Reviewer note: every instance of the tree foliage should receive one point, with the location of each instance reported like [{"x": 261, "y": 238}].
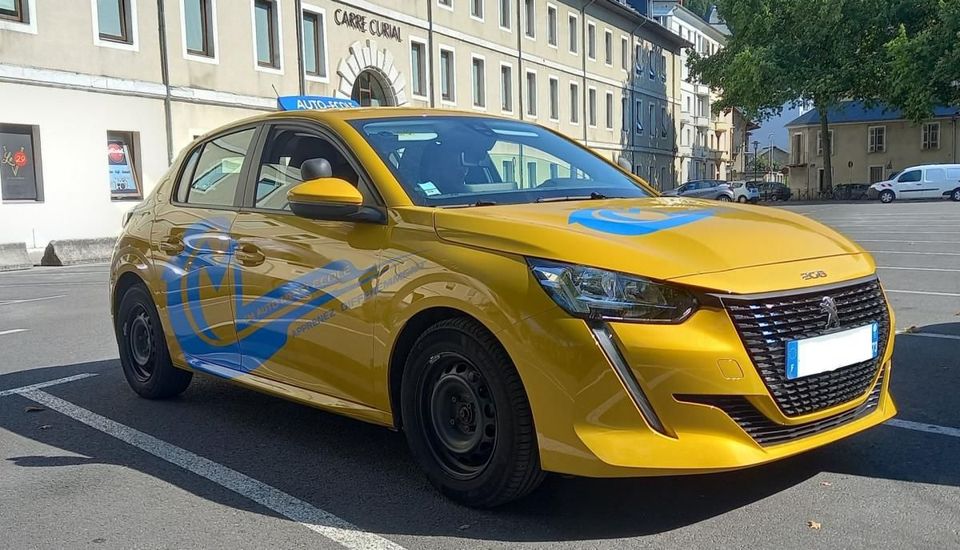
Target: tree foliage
[{"x": 924, "y": 66}]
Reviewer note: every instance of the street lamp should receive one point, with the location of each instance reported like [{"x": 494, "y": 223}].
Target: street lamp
[{"x": 756, "y": 161}]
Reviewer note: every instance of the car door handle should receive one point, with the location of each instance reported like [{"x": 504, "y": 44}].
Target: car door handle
[
  {"x": 172, "y": 245},
  {"x": 249, "y": 254}
]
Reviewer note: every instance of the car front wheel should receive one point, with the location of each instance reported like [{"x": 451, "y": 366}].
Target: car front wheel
[
  {"x": 955, "y": 195},
  {"x": 887, "y": 196},
  {"x": 742, "y": 199},
  {"x": 466, "y": 416},
  {"x": 144, "y": 356},
  {"x": 724, "y": 198}
]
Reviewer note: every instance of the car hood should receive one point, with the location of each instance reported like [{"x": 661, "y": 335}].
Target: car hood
[{"x": 661, "y": 238}]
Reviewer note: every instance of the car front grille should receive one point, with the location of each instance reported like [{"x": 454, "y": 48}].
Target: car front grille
[
  {"x": 767, "y": 432},
  {"x": 766, "y": 324}
]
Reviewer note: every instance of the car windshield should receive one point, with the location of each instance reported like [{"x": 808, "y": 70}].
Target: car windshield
[{"x": 476, "y": 161}]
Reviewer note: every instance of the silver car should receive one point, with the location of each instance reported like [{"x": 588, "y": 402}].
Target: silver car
[{"x": 704, "y": 189}]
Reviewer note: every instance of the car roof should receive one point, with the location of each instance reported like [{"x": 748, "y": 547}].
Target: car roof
[{"x": 925, "y": 166}]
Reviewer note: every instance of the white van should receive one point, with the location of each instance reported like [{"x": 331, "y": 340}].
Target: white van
[{"x": 928, "y": 181}]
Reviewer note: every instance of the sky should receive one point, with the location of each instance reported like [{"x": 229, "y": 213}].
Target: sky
[{"x": 777, "y": 127}]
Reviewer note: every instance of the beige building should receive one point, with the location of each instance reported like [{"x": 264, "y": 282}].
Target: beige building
[
  {"x": 869, "y": 144},
  {"x": 138, "y": 80}
]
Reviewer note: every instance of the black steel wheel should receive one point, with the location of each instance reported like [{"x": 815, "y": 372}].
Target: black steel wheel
[
  {"x": 466, "y": 416},
  {"x": 144, "y": 356}
]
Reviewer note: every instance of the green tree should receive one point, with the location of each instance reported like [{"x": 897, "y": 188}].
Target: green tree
[
  {"x": 924, "y": 66},
  {"x": 794, "y": 51}
]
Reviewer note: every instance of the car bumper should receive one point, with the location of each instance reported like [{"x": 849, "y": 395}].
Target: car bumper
[
  {"x": 662, "y": 412},
  {"x": 873, "y": 194}
]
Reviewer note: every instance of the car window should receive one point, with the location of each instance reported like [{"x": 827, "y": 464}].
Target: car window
[
  {"x": 217, "y": 174},
  {"x": 953, "y": 174},
  {"x": 909, "y": 177},
  {"x": 285, "y": 151},
  {"x": 936, "y": 175},
  {"x": 183, "y": 186},
  {"x": 463, "y": 160}
]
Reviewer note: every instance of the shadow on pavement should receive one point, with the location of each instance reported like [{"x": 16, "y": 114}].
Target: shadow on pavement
[{"x": 364, "y": 474}]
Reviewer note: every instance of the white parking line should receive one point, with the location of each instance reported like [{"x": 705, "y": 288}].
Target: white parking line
[
  {"x": 943, "y": 269},
  {"x": 47, "y": 384},
  {"x": 924, "y": 292},
  {"x": 315, "y": 519},
  {"x": 929, "y": 335},
  {"x": 929, "y": 428},
  {"x": 12, "y": 331},
  {"x": 23, "y": 301}
]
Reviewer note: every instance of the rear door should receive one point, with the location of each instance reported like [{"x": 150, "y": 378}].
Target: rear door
[
  {"x": 934, "y": 183},
  {"x": 304, "y": 311},
  {"x": 192, "y": 249}
]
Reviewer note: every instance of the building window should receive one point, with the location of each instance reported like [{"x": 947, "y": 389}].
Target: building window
[
  {"x": 445, "y": 4},
  {"x": 652, "y": 118},
  {"x": 651, "y": 65},
  {"x": 532, "y": 93},
  {"x": 797, "y": 149},
  {"x": 572, "y": 32},
  {"x": 476, "y": 9},
  {"x": 591, "y": 41},
  {"x": 551, "y": 25},
  {"x": 876, "y": 174},
  {"x": 447, "y": 77},
  {"x": 663, "y": 67},
  {"x": 315, "y": 44},
  {"x": 509, "y": 174},
  {"x": 609, "y": 110},
  {"x": 506, "y": 88},
  {"x": 833, "y": 147},
  {"x": 21, "y": 178},
  {"x": 265, "y": 23},
  {"x": 479, "y": 83},
  {"x": 624, "y": 53},
  {"x": 529, "y": 19},
  {"x": 876, "y": 139},
  {"x": 638, "y": 54},
  {"x": 123, "y": 165},
  {"x": 608, "y": 47},
  {"x": 638, "y": 115},
  {"x": 14, "y": 10},
  {"x": 592, "y": 106},
  {"x": 418, "y": 68},
  {"x": 505, "y": 14},
  {"x": 554, "y": 99},
  {"x": 930, "y": 138},
  {"x": 198, "y": 21},
  {"x": 114, "y": 21},
  {"x": 574, "y": 103},
  {"x": 532, "y": 174},
  {"x": 663, "y": 121}
]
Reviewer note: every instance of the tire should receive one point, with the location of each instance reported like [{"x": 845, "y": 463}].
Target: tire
[
  {"x": 887, "y": 196},
  {"x": 724, "y": 198},
  {"x": 455, "y": 370},
  {"x": 955, "y": 195},
  {"x": 742, "y": 199},
  {"x": 144, "y": 355}
]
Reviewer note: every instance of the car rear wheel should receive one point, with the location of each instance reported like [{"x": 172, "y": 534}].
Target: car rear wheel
[
  {"x": 724, "y": 198},
  {"x": 887, "y": 196},
  {"x": 466, "y": 416},
  {"x": 955, "y": 195},
  {"x": 144, "y": 356},
  {"x": 742, "y": 199}
]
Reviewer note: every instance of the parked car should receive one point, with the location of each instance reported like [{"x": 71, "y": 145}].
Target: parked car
[
  {"x": 850, "y": 191},
  {"x": 929, "y": 181},
  {"x": 774, "y": 191},
  {"x": 704, "y": 189},
  {"x": 745, "y": 191}
]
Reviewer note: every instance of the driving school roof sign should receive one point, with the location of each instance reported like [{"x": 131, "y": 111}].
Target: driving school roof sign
[{"x": 313, "y": 102}]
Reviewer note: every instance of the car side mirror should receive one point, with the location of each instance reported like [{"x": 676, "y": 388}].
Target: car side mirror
[{"x": 331, "y": 199}]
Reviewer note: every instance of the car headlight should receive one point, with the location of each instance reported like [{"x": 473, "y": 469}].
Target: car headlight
[{"x": 598, "y": 294}]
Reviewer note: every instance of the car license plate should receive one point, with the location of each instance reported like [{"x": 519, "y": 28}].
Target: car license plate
[{"x": 831, "y": 351}]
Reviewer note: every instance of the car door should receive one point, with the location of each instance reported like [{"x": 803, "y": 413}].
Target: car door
[
  {"x": 910, "y": 184},
  {"x": 192, "y": 249},
  {"x": 692, "y": 189},
  {"x": 304, "y": 312},
  {"x": 934, "y": 183}
]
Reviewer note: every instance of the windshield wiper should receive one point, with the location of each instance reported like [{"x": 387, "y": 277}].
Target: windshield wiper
[
  {"x": 594, "y": 196},
  {"x": 478, "y": 203}
]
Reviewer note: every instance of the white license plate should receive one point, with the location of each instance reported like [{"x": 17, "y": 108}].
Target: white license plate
[{"x": 831, "y": 351}]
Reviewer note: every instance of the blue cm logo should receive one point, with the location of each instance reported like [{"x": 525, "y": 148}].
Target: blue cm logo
[{"x": 633, "y": 221}]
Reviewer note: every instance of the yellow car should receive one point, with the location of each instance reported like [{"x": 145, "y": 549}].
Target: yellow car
[{"x": 511, "y": 301}]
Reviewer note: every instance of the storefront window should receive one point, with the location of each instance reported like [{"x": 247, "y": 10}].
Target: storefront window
[
  {"x": 123, "y": 166},
  {"x": 20, "y": 174}
]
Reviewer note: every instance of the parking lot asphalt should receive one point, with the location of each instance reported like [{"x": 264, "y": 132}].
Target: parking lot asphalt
[{"x": 84, "y": 463}]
